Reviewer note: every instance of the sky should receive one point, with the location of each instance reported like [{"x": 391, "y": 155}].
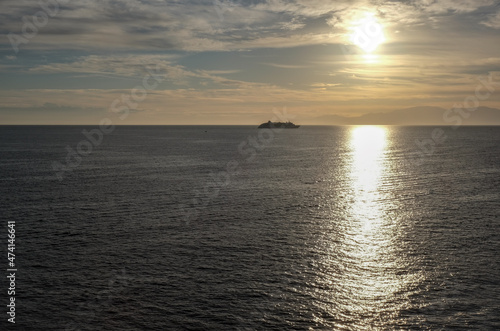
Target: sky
[{"x": 238, "y": 62}]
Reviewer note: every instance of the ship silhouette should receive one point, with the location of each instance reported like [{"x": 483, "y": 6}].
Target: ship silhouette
[{"x": 281, "y": 125}]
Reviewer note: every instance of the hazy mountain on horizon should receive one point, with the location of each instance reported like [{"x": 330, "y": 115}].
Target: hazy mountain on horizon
[{"x": 423, "y": 115}]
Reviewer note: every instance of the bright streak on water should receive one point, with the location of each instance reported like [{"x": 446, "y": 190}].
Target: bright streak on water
[
  {"x": 368, "y": 146},
  {"x": 369, "y": 280}
]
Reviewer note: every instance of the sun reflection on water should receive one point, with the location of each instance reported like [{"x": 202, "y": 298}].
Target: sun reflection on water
[
  {"x": 368, "y": 145},
  {"x": 368, "y": 246},
  {"x": 366, "y": 272}
]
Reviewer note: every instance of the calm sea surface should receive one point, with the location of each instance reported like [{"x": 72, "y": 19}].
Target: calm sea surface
[{"x": 234, "y": 228}]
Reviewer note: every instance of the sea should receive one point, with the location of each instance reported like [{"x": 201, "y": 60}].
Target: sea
[{"x": 236, "y": 228}]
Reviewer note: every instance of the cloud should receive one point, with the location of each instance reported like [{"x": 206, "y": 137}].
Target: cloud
[
  {"x": 137, "y": 66},
  {"x": 127, "y": 65},
  {"x": 493, "y": 21},
  {"x": 294, "y": 24},
  {"x": 202, "y": 26},
  {"x": 287, "y": 66},
  {"x": 452, "y": 6}
]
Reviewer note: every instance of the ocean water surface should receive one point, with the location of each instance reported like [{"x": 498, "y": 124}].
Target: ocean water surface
[{"x": 234, "y": 228}]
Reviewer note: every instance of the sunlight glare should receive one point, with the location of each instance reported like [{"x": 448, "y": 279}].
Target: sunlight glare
[
  {"x": 370, "y": 228},
  {"x": 367, "y": 33},
  {"x": 371, "y": 58},
  {"x": 368, "y": 144}
]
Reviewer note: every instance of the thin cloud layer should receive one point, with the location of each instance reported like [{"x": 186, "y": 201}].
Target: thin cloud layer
[{"x": 493, "y": 21}]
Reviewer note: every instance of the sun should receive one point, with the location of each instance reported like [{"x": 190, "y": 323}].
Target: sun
[{"x": 367, "y": 33}]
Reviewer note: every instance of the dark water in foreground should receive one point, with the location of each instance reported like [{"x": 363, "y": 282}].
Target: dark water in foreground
[{"x": 325, "y": 228}]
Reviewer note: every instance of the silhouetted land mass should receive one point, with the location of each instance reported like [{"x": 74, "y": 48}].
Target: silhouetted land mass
[{"x": 417, "y": 116}]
